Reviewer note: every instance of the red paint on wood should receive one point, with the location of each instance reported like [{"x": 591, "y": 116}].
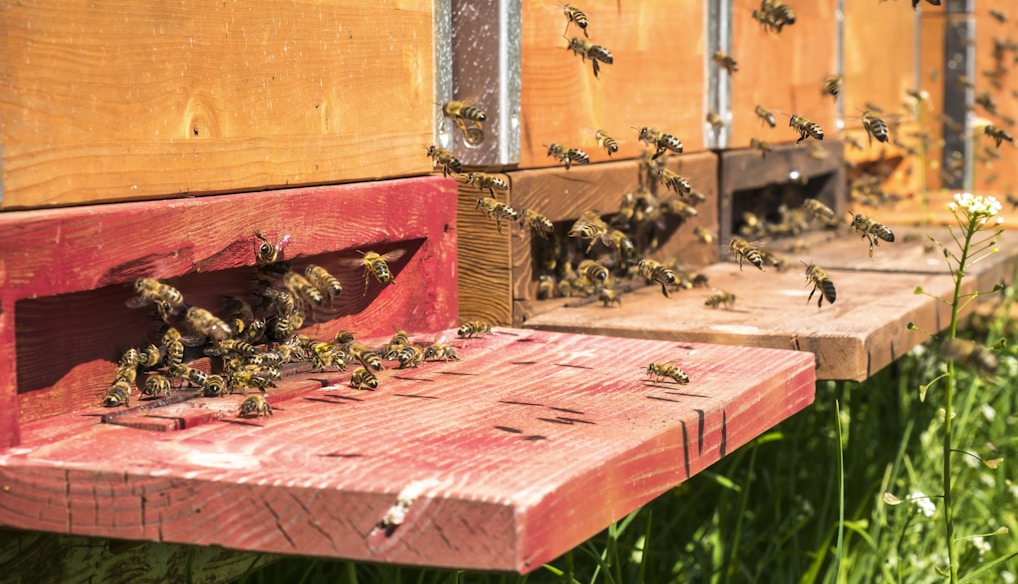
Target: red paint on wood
[
  {"x": 528, "y": 446},
  {"x": 66, "y": 275}
]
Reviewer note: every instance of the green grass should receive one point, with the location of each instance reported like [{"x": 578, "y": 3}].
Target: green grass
[{"x": 777, "y": 510}]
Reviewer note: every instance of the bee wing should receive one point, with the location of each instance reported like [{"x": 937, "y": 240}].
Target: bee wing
[
  {"x": 393, "y": 255},
  {"x": 193, "y": 340},
  {"x": 137, "y": 302}
]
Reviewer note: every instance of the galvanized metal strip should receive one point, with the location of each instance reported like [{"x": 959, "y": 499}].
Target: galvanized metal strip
[
  {"x": 486, "y": 48},
  {"x": 718, "y": 97},
  {"x": 442, "y": 31},
  {"x": 839, "y": 17},
  {"x": 959, "y": 60}
]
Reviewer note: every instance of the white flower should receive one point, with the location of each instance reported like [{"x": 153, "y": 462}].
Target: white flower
[
  {"x": 1007, "y": 577},
  {"x": 982, "y": 546},
  {"x": 988, "y": 412},
  {"x": 924, "y": 503}
]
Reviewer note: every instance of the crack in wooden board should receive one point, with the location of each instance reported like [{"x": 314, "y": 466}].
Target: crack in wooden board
[{"x": 491, "y": 498}]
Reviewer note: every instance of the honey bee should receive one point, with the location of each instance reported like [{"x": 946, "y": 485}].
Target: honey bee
[
  {"x": 765, "y": 115},
  {"x": 450, "y": 164},
  {"x": 704, "y": 235},
  {"x": 609, "y": 296},
  {"x": 214, "y": 386},
  {"x": 772, "y": 260},
  {"x": 190, "y": 374},
  {"x": 283, "y": 326},
  {"x": 130, "y": 358},
  {"x": 440, "y": 352},
  {"x": 166, "y": 298},
  {"x": 491, "y": 207},
  {"x": 156, "y": 385},
  {"x": 568, "y": 155},
  {"x": 119, "y": 394},
  {"x": 362, "y": 378},
  {"x": 366, "y": 356},
  {"x": 487, "y": 181},
  {"x": 970, "y": 354},
  {"x": 985, "y": 99},
  {"x": 326, "y": 355},
  {"x": 173, "y": 347},
  {"x": 762, "y": 146},
  {"x": 661, "y": 141},
  {"x": 774, "y": 15},
  {"x": 546, "y": 286},
  {"x": 589, "y": 226},
  {"x": 150, "y": 357},
  {"x": 680, "y": 208},
  {"x": 875, "y": 126},
  {"x": 818, "y": 277},
  {"x": 820, "y": 211},
  {"x": 998, "y": 16},
  {"x": 871, "y": 230},
  {"x": 377, "y": 265},
  {"x": 586, "y": 49},
  {"x": 593, "y": 271},
  {"x": 661, "y": 371},
  {"x": 606, "y": 142},
  {"x": 673, "y": 181},
  {"x": 301, "y": 288},
  {"x": 409, "y": 356},
  {"x": 254, "y": 406},
  {"x": 715, "y": 121},
  {"x": 653, "y": 271},
  {"x": 725, "y": 61},
  {"x": 540, "y": 224},
  {"x": 998, "y": 134},
  {"x": 833, "y": 85},
  {"x": 266, "y": 252},
  {"x": 207, "y": 324},
  {"x": 806, "y": 128},
  {"x": 915, "y": 3},
  {"x": 126, "y": 373},
  {"x": 852, "y": 141},
  {"x": 259, "y": 378},
  {"x": 324, "y": 282},
  {"x": 620, "y": 242},
  {"x": 343, "y": 337},
  {"x": 461, "y": 112},
  {"x": 576, "y": 16},
  {"x": 473, "y": 328},
  {"x": 719, "y": 299},
  {"x": 743, "y": 251}
]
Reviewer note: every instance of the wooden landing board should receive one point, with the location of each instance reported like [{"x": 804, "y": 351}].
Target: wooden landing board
[
  {"x": 497, "y": 474},
  {"x": 864, "y": 331},
  {"x": 563, "y": 196},
  {"x": 114, "y": 102},
  {"x": 657, "y": 79},
  {"x": 782, "y": 72},
  {"x": 66, "y": 275}
]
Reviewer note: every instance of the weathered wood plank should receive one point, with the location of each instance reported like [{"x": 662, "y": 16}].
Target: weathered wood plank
[
  {"x": 657, "y": 79},
  {"x": 990, "y": 173},
  {"x": 932, "y": 27},
  {"x": 46, "y": 557},
  {"x": 783, "y": 72},
  {"x": 191, "y": 98},
  {"x": 499, "y": 468},
  {"x": 483, "y": 261},
  {"x": 563, "y": 196}
]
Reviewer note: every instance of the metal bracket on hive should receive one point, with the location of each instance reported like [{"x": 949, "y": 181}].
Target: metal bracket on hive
[
  {"x": 959, "y": 60},
  {"x": 719, "y": 82}
]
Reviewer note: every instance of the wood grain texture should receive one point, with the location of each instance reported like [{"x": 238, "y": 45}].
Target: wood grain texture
[
  {"x": 47, "y": 557},
  {"x": 992, "y": 175},
  {"x": 563, "y": 196},
  {"x": 864, "y": 331},
  {"x": 485, "y": 272},
  {"x": 110, "y": 102},
  {"x": 782, "y": 72},
  {"x": 509, "y": 475},
  {"x": 69, "y": 270},
  {"x": 657, "y": 79}
]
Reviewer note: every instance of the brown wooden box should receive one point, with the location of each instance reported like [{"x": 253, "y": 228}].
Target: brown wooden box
[
  {"x": 111, "y": 101},
  {"x": 657, "y": 79}
]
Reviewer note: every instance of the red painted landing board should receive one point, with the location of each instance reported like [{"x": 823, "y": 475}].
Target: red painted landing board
[{"x": 525, "y": 448}]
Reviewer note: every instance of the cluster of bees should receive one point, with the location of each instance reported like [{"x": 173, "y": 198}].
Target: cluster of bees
[{"x": 251, "y": 344}]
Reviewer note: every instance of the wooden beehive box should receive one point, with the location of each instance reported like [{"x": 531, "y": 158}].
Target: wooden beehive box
[
  {"x": 114, "y": 102},
  {"x": 996, "y": 84},
  {"x": 657, "y": 79}
]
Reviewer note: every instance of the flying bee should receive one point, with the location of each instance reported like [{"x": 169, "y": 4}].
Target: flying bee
[
  {"x": 473, "y": 328},
  {"x": 766, "y": 115},
  {"x": 266, "y": 252},
  {"x": 661, "y": 371},
  {"x": 450, "y": 164},
  {"x": 440, "y": 352},
  {"x": 998, "y": 134},
  {"x": 487, "y": 181},
  {"x": 720, "y": 298},
  {"x": 774, "y": 15},
  {"x": 156, "y": 385},
  {"x": 998, "y": 16},
  {"x": 377, "y": 265},
  {"x": 362, "y": 378},
  {"x": 715, "y": 121},
  {"x": 818, "y": 277},
  {"x": 679, "y": 208},
  {"x": 593, "y": 271},
  {"x": 875, "y": 126},
  {"x": 985, "y": 99},
  {"x": 653, "y": 271},
  {"x": 214, "y": 386},
  {"x": 366, "y": 356},
  {"x": 772, "y": 260},
  {"x": 586, "y": 49},
  {"x": 166, "y": 298},
  {"x": 323, "y": 281},
  {"x": 871, "y": 230},
  {"x": 852, "y": 141},
  {"x": 589, "y": 226},
  {"x": 575, "y": 16},
  {"x": 806, "y": 128},
  {"x": 254, "y": 406},
  {"x": 704, "y": 235},
  {"x": 673, "y": 181},
  {"x": 207, "y": 324},
  {"x": 725, "y": 61},
  {"x": 568, "y": 155},
  {"x": 820, "y": 211},
  {"x": 742, "y": 250},
  {"x": 833, "y": 85},
  {"x": 609, "y": 296},
  {"x": 606, "y": 142},
  {"x": 492, "y": 207},
  {"x": 621, "y": 243},
  {"x": 970, "y": 354},
  {"x": 409, "y": 356},
  {"x": 119, "y": 394},
  {"x": 301, "y": 288},
  {"x": 460, "y": 112},
  {"x": 661, "y": 141},
  {"x": 537, "y": 222},
  {"x": 762, "y": 146}
]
